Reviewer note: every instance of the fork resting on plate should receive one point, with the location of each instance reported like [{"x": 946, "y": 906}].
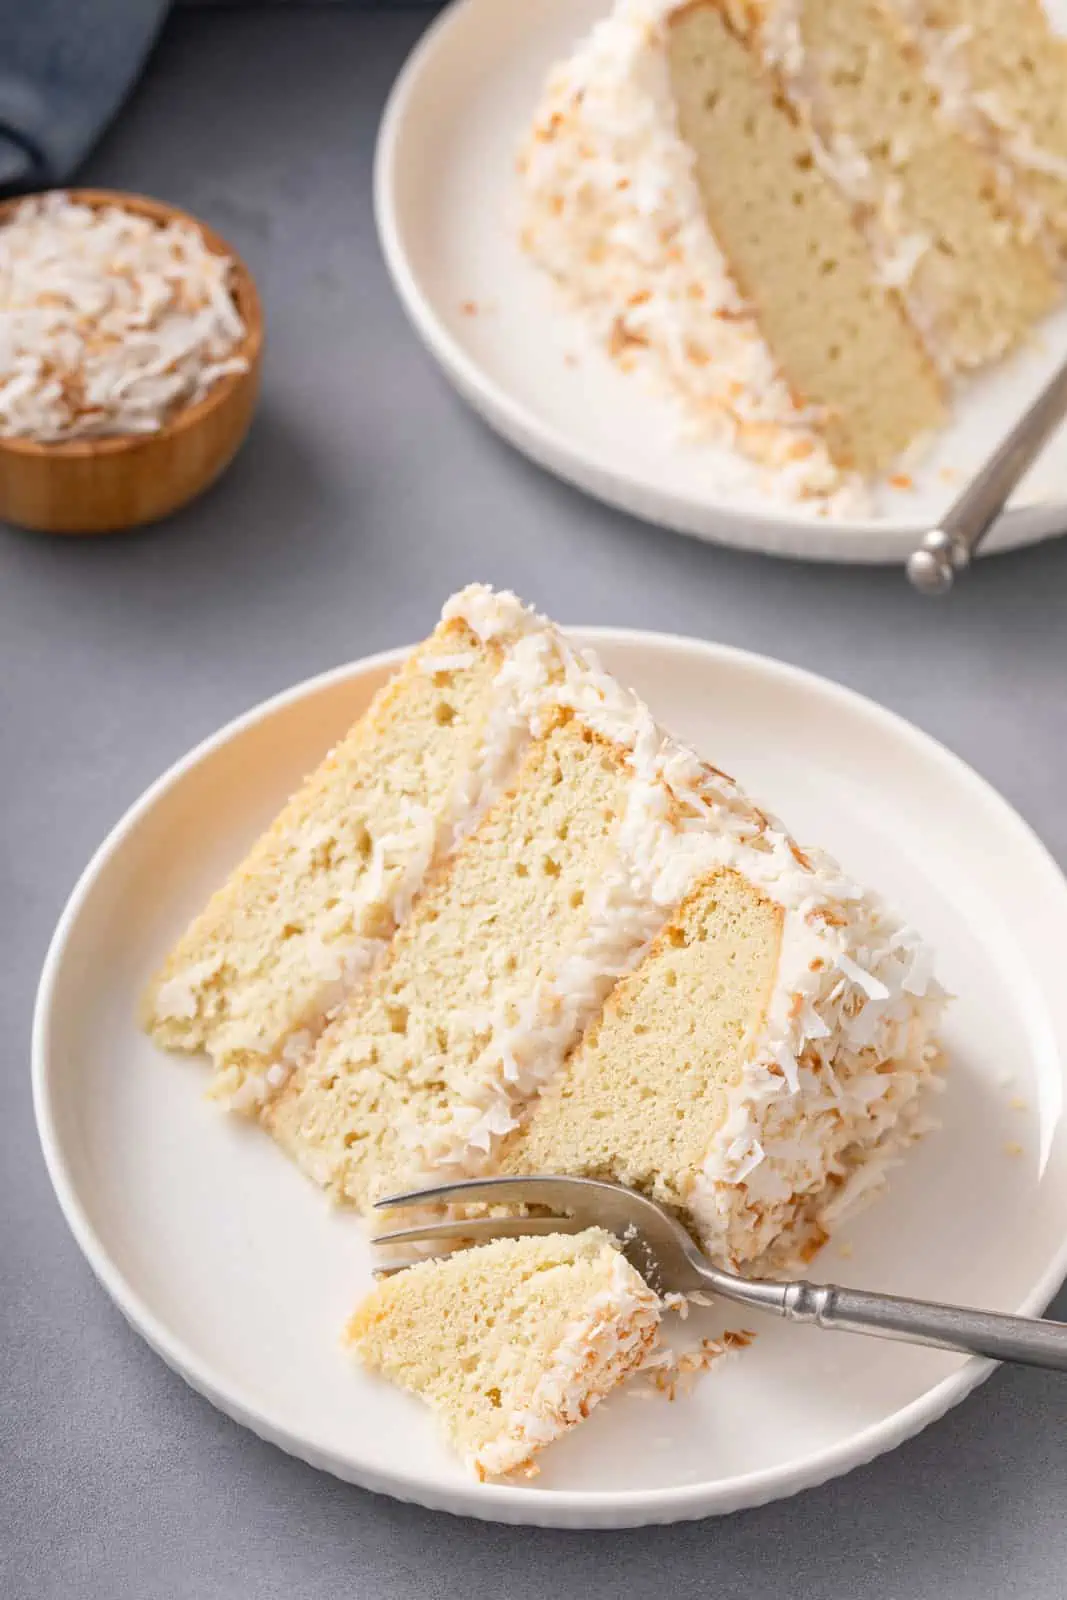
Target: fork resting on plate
[{"x": 659, "y": 1247}]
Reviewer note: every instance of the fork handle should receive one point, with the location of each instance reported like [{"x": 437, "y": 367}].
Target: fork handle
[
  {"x": 948, "y": 548},
  {"x": 1029, "y": 1340}
]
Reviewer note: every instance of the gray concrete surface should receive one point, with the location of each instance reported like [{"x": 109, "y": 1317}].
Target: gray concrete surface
[{"x": 365, "y": 494}]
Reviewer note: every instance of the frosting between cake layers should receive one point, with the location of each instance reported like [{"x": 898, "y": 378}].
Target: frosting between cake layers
[
  {"x": 981, "y": 114},
  {"x": 855, "y": 990},
  {"x": 612, "y": 210},
  {"x": 615, "y": 1330}
]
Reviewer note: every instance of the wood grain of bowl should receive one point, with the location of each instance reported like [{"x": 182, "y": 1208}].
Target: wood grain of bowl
[{"x": 104, "y": 485}]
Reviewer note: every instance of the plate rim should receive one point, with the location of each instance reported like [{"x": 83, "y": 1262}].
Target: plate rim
[
  {"x": 505, "y": 1503},
  {"x": 869, "y": 541}
]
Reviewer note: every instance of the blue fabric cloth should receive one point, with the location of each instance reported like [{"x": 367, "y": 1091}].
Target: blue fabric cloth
[{"x": 65, "y": 67}]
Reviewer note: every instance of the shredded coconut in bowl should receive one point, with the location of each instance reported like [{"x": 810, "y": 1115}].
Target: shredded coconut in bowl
[{"x": 109, "y": 320}]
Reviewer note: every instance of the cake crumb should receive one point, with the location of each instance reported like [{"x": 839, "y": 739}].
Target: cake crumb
[
  {"x": 675, "y": 1373},
  {"x": 622, "y": 338},
  {"x": 469, "y": 308},
  {"x": 676, "y": 1302},
  {"x": 845, "y": 1249},
  {"x": 1013, "y": 1148},
  {"x": 810, "y": 1249},
  {"x": 901, "y": 480},
  {"x": 1017, "y": 1103}
]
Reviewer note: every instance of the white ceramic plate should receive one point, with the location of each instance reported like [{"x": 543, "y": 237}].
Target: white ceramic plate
[
  {"x": 446, "y": 206},
  {"x": 232, "y": 1267}
]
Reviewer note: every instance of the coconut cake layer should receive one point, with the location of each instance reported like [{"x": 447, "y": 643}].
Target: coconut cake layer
[
  {"x": 643, "y": 1097},
  {"x": 511, "y": 1343}
]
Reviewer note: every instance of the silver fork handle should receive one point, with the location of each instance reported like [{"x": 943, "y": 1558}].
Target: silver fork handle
[
  {"x": 949, "y": 548},
  {"x": 1029, "y": 1340}
]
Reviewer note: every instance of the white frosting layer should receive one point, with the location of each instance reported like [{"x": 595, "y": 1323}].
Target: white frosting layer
[
  {"x": 848, "y": 1039},
  {"x": 613, "y": 212},
  {"x": 610, "y": 1338}
]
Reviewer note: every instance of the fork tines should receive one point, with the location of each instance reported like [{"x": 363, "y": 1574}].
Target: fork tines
[
  {"x": 478, "y": 1230},
  {"x": 516, "y": 1191}
]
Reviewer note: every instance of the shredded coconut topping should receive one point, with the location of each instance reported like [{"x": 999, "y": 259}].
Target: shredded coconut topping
[
  {"x": 599, "y": 1347},
  {"x": 109, "y": 322}
]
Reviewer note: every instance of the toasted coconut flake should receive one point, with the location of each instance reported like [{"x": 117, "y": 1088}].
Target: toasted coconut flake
[{"x": 109, "y": 321}]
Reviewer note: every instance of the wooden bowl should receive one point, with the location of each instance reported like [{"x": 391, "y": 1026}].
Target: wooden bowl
[{"x": 119, "y": 481}]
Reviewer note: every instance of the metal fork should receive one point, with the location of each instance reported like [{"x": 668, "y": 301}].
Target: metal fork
[{"x": 665, "y": 1255}]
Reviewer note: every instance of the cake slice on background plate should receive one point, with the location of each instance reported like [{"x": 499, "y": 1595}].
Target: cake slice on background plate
[
  {"x": 766, "y": 207},
  {"x": 511, "y": 1343}
]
